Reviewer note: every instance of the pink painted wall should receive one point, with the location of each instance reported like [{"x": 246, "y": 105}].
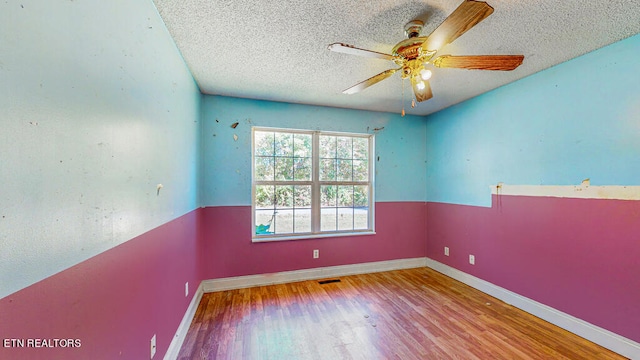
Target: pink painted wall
[
  {"x": 113, "y": 302},
  {"x": 580, "y": 256},
  {"x": 400, "y": 233}
]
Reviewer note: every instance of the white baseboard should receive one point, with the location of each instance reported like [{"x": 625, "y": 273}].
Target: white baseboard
[
  {"x": 605, "y": 338},
  {"x": 241, "y": 282},
  {"x": 600, "y": 336},
  {"x": 181, "y": 333}
]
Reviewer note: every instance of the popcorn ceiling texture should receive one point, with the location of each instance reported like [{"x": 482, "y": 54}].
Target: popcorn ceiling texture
[{"x": 277, "y": 50}]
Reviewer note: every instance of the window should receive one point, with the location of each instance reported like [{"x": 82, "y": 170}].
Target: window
[{"x": 311, "y": 183}]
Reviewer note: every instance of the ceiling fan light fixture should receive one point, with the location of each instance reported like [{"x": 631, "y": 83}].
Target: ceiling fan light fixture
[
  {"x": 425, "y": 74},
  {"x": 420, "y": 85}
]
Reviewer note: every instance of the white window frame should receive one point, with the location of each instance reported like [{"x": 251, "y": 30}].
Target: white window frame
[{"x": 315, "y": 184}]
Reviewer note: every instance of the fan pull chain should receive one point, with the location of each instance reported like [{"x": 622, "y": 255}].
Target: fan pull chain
[{"x": 413, "y": 103}]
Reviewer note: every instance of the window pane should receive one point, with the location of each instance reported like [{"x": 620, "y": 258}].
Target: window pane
[
  {"x": 361, "y": 218},
  {"x": 283, "y": 144},
  {"x": 263, "y": 143},
  {"x": 344, "y": 170},
  {"x": 283, "y": 222},
  {"x": 345, "y": 219},
  {"x": 360, "y": 170},
  {"x": 302, "y": 220},
  {"x": 302, "y": 169},
  {"x": 302, "y": 196},
  {"x": 327, "y": 170},
  {"x": 344, "y": 148},
  {"x": 302, "y": 145},
  {"x": 360, "y": 196},
  {"x": 264, "y": 197},
  {"x": 345, "y": 196},
  {"x": 284, "y": 196},
  {"x": 327, "y": 147},
  {"x": 329, "y": 219},
  {"x": 264, "y": 222},
  {"x": 360, "y": 148},
  {"x": 264, "y": 168},
  {"x": 284, "y": 169},
  {"x": 328, "y": 195},
  {"x": 361, "y": 207}
]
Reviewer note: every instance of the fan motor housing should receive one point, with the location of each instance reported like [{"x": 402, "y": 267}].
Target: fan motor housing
[{"x": 409, "y": 49}]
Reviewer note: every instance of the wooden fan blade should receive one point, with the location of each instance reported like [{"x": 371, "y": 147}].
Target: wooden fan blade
[
  {"x": 466, "y": 16},
  {"x": 479, "y": 62},
  {"x": 370, "y": 81},
  {"x": 421, "y": 94},
  {"x": 352, "y": 50}
]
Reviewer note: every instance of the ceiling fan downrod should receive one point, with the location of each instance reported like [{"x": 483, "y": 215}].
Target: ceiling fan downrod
[{"x": 413, "y": 28}]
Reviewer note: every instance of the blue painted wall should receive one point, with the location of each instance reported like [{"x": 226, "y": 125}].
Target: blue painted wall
[
  {"x": 98, "y": 108},
  {"x": 577, "y": 120},
  {"x": 226, "y": 163}
]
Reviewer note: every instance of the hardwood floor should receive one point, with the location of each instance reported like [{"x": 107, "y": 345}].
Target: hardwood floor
[{"x": 404, "y": 314}]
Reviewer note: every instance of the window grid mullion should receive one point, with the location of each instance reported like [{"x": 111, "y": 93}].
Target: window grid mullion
[
  {"x": 353, "y": 207},
  {"x": 293, "y": 210},
  {"x": 315, "y": 187},
  {"x": 284, "y": 182},
  {"x": 329, "y": 182},
  {"x": 352, "y": 174},
  {"x": 273, "y": 154}
]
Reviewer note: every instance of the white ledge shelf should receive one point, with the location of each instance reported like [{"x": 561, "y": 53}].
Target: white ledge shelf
[{"x": 582, "y": 191}]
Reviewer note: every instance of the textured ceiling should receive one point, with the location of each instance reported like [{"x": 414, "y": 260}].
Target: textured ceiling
[{"x": 277, "y": 50}]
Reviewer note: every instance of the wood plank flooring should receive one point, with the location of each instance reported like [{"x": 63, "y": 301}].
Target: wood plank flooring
[{"x": 404, "y": 314}]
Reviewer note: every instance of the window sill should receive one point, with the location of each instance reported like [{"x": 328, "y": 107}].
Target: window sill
[{"x": 269, "y": 238}]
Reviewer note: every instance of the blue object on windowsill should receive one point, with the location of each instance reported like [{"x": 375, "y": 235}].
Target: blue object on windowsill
[{"x": 264, "y": 229}]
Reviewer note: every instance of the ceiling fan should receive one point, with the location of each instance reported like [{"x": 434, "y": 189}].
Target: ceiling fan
[{"x": 415, "y": 55}]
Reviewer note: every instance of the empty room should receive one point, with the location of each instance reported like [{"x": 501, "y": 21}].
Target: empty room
[{"x": 421, "y": 179}]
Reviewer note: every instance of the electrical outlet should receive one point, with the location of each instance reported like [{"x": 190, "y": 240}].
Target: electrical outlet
[
  {"x": 446, "y": 251},
  {"x": 186, "y": 289},
  {"x": 153, "y": 345},
  {"x": 316, "y": 254},
  {"x": 472, "y": 260}
]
